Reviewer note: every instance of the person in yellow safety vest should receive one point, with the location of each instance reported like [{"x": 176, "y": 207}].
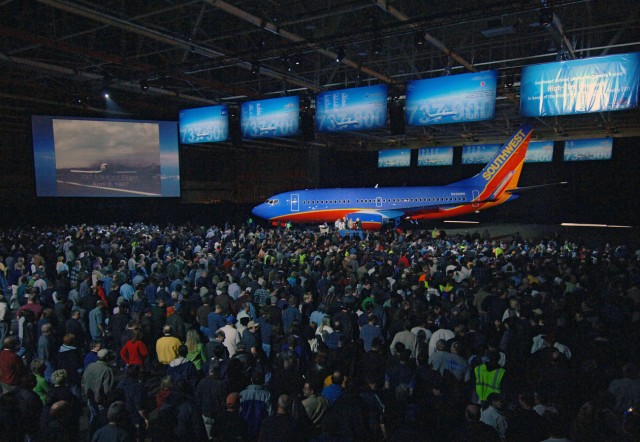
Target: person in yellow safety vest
[
  {"x": 498, "y": 251},
  {"x": 423, "y": 279},
  {"x": 446, "y": 289},
  {"x": 489, "y": 376}
]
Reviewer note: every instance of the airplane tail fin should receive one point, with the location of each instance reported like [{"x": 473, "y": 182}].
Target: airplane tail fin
[{"x": 502, "y": 172}]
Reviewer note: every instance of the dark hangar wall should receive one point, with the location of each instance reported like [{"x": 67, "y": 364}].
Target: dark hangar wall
[
  {"x": 605, "y": 192},
  {"x": 224, "y": 183}
]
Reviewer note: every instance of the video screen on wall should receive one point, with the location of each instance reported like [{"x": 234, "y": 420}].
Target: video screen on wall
[
  {"x": 204, "y": 124},
  {"x": 539, "y": 152},
  {"x": 84, "y": 157},
  {"x": 354, "y": 109},
  {"x": 435, "y": 156},
  {"x": 394, "y": 158},
  {"x": 588, "y": 150},
  {"x": 479, "y": 153},
  {"x": 580, "y": 86},
  {"x": 455, "y": 99},
  {"x": 275, "y": 117}
]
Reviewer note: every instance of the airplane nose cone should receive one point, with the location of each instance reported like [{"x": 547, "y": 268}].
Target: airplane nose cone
[{"x": 260, "y": 210}]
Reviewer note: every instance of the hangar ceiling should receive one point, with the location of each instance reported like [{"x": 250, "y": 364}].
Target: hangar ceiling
[{"x": 159, "y": 56}]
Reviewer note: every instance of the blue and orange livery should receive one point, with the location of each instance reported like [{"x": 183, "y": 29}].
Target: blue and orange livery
[{"x": 373, "y": 207}]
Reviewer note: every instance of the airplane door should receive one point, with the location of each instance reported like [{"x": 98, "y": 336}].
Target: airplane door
[
  {"x": 295, "y": 202},
  {"x": 474, "y": 195},
  {"x": 378, "y": 202}
]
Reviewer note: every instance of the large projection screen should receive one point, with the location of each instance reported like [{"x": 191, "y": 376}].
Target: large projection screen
[{"x": 84, "y": 157}]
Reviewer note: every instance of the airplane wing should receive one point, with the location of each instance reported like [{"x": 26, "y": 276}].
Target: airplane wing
[{"x": 84, "y": 171}]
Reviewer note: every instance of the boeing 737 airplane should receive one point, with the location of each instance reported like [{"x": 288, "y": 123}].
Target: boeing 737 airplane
[
  {"x": 270, "y": 128},
  {"x": 493, "y": 185},
  {"x": 438, "y": 115},
  {"x": 346, "y": 122},
  {"x": 104, "y": 168}
]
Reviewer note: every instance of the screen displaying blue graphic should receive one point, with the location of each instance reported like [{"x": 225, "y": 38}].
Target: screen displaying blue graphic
[
  {"x": 204, "y": 124},
  {"x": 454, "y": 99},
  {"x": 539, "y": 152},
  {"x": 479, "y": 153},
  {"x": 276, "y": 117},
  {"x": 435, "y": 156},
  {"x": 587, "y": 150},
  {"x": 84, "y": 157},
  {"x": 579, "y": 86},
  {"x": 394, "y": 158},
  {"x": 360, "y": 108}
]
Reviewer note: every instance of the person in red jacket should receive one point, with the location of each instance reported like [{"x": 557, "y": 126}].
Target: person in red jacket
[
  {"x": 12, "y": 369},
  {"x": 134, "y": 351}
]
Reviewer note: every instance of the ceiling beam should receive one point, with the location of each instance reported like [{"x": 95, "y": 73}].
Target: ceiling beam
[
  {"x": 385, "y": 6},
  {"x": 145, "y": 69},
  {"x": 80, "y": 75},
  {"x": 117, "y": 22},
  {"x": 271, "y": 27}
]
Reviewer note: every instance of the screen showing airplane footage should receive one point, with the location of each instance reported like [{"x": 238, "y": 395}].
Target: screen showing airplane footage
[
  {"x": 204, "y": 124},
  {"x": 84, "y": 157},
  {"x": 355, "y": 109},
  {"x": 274, "y": 117}
]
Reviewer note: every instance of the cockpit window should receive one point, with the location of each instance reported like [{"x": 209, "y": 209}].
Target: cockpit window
[{"x": 271, "y": 202}]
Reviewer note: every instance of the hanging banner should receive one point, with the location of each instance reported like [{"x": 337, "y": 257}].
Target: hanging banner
[
  {"x": 580, "y": 86},
  {"x": 394, "y": 158},
  {"x": 354, "y": 109},
  {"x": 587, "y": 150},
  {"x": 435, "y": 156},
  {"x": 479, "y": 153},
  {"x": 204, "y": 124},
  {"x": 539, "y": 152},
  {"x": 455, "y": 99},
  {"x": 274, "y": 117}
]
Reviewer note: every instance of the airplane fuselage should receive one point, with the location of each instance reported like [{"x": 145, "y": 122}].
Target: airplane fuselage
[
  {"x": 380, "y": 204},
  {"x": 375, "y": 206}
]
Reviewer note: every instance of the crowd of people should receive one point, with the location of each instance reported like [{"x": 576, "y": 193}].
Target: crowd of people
[{"x": 247, "y": 333}]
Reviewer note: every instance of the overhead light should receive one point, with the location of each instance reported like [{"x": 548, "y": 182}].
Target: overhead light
[
  {"x": 340, "y": 54},
  {"x": 418, "y": 38},
  {"x": 144, "y": 85},
  {"x": 509, "y": 79},
  {"x": 546, "y": 16},
  {"x": 377, "y": 47},
  {"x": 105, "y": 94},
  {"x": 255, "y": 68}
]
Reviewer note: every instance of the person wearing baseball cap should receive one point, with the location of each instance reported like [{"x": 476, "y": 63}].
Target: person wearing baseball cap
[
  {"x": 114, "y": 429},
  {"x": 251, "y": 338},
  {"x": 229, "y": 424},
  {"x": 98, "y": 381}
]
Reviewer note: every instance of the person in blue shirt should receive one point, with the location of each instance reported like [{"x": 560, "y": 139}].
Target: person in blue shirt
[
  {"x": 216, "y": 320},
  {"x": 335, "y": 390}
]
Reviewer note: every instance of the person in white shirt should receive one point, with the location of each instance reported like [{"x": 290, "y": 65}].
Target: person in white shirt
[
  {"x": 492, "y": 415},
  {"x": 232, "y": 335}
]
